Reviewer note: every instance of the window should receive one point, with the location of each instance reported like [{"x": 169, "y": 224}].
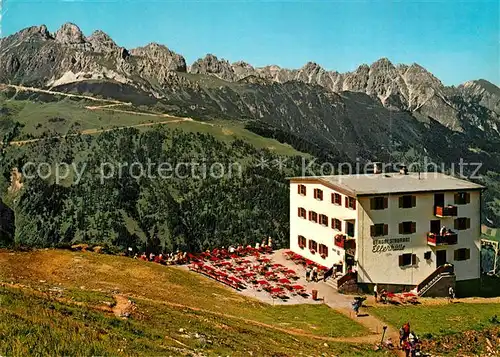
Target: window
[
  {"x": 336, "y": 224},
  {"x": 407, "y": 227},
  {"x": 302, "y": 190},
  {"x": 407, "y": 259},
  {"x": 462, "y": 254},
  {"x": 313, "y": 245},
  {"x": 377, "y": 203},
  {"x": 318, "y": 194},
  {"x": 462, "y": 198},
  {"x": 302, "y": 242},
  {"x": 427, "y": 255},
  {"x": 302, "y": 212},
  {"x": 462, "y": 223},
  {"x": 350, "y": 202},
  {"x": 349, "y": 229},
  {"x": 313, "y": 216},
  {"x": 323, "y": 220},
  {"x": 336, "y": 199},
  {"x": 323, "y": 250},
  {"x": 407, "y": 201},
  {"x": 379, "y": 229}
]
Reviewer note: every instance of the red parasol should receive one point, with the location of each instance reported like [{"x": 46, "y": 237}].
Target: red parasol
[{"x": 284, "y": 281}]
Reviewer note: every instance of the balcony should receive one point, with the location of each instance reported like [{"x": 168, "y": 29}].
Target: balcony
[
  {"x": 344, "y": 242},
  {"x": 434, "y": 239},
  {"x": 445, "y": 211}
]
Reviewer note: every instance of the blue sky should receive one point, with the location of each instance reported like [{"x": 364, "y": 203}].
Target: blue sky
[{"x": 455, "y": 40}]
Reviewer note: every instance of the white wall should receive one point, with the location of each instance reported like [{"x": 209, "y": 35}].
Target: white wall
[
  {"x": 383, "y": 267},
  {"x": 315, "y": 231}
]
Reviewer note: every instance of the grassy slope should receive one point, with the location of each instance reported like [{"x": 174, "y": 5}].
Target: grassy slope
[
  {"x": 440, "y": 319},
  {"x": 167, "y": 299},
  {"x": 38, "y": 117}
]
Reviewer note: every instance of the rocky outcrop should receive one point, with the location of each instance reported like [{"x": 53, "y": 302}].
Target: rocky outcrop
[
  {"x": 210, "y": 64},
  {"x": 482, "y": 91},
  {"x": 101, "y": 42},
  {"x": 159, "y": 55},
  {"x": 70, "y": 34}
]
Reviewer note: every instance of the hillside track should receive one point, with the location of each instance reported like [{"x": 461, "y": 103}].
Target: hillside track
[{"x": 109, "y": 106}]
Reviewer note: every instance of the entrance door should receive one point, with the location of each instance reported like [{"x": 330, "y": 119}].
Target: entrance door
[
  {"x": 440, "y": 258},
  {"x": 435, "y": 226},
  {"x": 439, "y": 199}
]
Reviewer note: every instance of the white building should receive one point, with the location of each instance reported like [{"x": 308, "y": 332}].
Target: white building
[{"x": 387, "y": 227}]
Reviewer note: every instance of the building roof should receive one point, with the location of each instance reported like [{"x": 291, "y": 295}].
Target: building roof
[{"x": 377, "y": 184}]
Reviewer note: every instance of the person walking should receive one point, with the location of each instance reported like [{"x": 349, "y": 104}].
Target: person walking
[
  {"x": 308, "y": 273},
  {"x": 451, "y": 294},
  {"x": 355, "y": 306},
  {"x": 375, "y": 292},
  {"x": 315, "y": 274}
]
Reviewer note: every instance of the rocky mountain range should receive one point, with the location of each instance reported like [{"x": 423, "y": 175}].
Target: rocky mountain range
[{"x": 381, "y": 105}]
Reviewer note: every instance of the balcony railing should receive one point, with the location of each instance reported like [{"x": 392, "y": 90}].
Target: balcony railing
[
  {"x": 340, "y": 240},
  {"x": 344, "y": 242},
  {"x": 435, "y": 239},
  {"x": 445, "y": 211}
]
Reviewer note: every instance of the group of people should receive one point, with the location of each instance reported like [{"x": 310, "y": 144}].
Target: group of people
[
  {"x": 312, "y": 274},
  {"x": 408, "y": 341},
  {"x": 169, "y": 259},
  {"x": 445, "y": 231}
]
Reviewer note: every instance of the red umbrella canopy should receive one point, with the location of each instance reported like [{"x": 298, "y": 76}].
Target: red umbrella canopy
[
  {"x": 269, "y": 273},
  {"x": 263, "y": 282},
  {"x": 298, "y": 287},
  {"x": 276, "y": 290},
  {"x": 284, "y": 281}
]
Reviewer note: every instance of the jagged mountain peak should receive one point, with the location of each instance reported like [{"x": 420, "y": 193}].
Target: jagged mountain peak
[
  {"x": 70, "y": 34},
  {"x": 211, "y": 64},
  {"x": 160, "y": 55},
  {"x": 102, "y": 42}
]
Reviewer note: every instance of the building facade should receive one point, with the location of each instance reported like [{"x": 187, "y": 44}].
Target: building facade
[{"x": 393, "y": 229}]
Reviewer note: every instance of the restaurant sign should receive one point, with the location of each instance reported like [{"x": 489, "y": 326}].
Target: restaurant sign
[{"x": 389, "y": 244}]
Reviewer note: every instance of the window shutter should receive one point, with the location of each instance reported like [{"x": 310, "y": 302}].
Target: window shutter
[
  {"x": 455, "y": 254},
  {"x": 372, "y": 203},
  {"x": 315, "y": 194},
  {"x": 305, "y": 190},
  {"x": 413, "y": 259},
  {"x": 353, "y": 203},
  {"x": 413, "y": 201},
  {"x": 386, "y": 229},
  {"x": 346, "y": 201},
  {"x": 467, "y": 197},
  {"x": 467, "y": 254},
  {"x": 386, "y": 202},
  {"x": 455, "y": 223},
  {"x": 299, "y": 211},
  {"x": 456, "y": 198},
  {"x": 401, "y": 202},
  {"x": 467, "y": 223},
  {"x": 400, "y": 258},
  {"x": 413, "y": 227},
  {"x": 372, "y": 231},
  {"x": 401, "y": 228},
  {"x": 333, "y": 198}
]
